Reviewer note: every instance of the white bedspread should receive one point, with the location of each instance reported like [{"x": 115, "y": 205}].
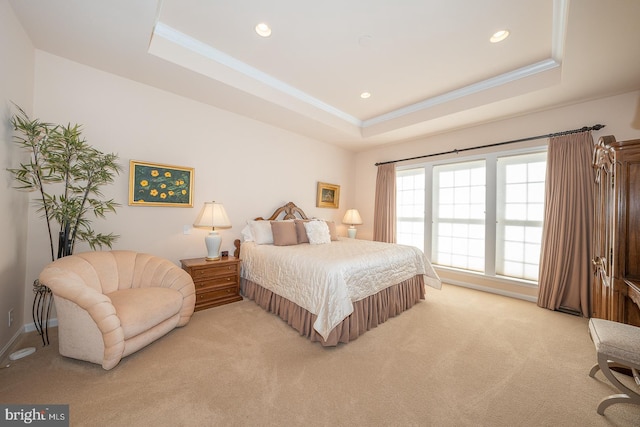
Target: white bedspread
[{"x": 326, "y": 279}]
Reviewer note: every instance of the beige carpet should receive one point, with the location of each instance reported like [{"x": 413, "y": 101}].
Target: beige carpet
[{"x": 460, "y": 358}]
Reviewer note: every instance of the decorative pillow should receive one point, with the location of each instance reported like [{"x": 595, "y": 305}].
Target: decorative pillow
[
  {"x": 318, "y": 232},
  {"x": 247, "y": 236},
  {"x": 261, "y": 231},
  {"x": 332, "y": 230},
  {"x": 301, "y": 232},
  {"x": 284, "y": 233}
]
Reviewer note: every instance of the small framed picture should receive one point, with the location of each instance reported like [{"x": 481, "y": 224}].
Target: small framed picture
[
  {"x": 155, "y": 184},
  {"x": 328, "y": 195}
]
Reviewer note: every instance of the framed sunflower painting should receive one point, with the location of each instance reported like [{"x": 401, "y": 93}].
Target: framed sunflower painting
[{"x": 154, "y": 184}]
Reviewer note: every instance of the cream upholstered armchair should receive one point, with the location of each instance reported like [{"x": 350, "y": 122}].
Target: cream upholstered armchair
[{"x": 110, "y": 304}]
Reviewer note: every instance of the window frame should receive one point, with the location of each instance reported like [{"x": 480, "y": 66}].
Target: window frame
[
  {"x": 411, "y": 219},
  {"x": 502, "y": 222},
  {"x": 453, "y": 219}
]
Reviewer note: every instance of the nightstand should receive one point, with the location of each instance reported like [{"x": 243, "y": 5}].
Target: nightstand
[{"x": 217, "y": 282}]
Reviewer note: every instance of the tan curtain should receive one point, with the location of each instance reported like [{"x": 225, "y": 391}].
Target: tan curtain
[
  {"x": 384, "y": 216},
  {"x": 565, "y": 269}
]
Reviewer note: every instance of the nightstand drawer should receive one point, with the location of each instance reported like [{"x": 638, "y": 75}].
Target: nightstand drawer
[
  {"x": 216, "y": 295},
  {"x": 231, "y": 280},
  {"x": 214, "y": 271}
]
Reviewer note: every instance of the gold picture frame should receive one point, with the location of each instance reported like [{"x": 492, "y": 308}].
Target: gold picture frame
[
  {"x": 328, "y": 195},
  {"x": 156, "y": 184}
]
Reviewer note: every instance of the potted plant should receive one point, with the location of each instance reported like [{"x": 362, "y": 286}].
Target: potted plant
[{"x": 68, "y": 174}]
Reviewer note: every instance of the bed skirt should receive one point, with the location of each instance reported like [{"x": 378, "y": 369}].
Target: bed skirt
[{"x": 367, "y": 313}]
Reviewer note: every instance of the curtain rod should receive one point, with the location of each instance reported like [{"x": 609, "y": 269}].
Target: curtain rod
[{"x": 531, "y": 138}]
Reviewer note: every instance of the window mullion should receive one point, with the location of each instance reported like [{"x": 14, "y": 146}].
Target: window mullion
[
  {"x": 428, "y": 211},
  {"x": 490, "y": 216}
]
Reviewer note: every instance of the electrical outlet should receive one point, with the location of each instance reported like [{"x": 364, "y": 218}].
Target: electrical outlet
[{"x": 10, "y": 317}]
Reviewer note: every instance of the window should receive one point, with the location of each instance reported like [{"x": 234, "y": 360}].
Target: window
[
  {"x": 459, "y": 215},
  {"x": 520, "y": 213},
  {"x": 410, "y": 207},
  {"x": 484, "y": 214}
]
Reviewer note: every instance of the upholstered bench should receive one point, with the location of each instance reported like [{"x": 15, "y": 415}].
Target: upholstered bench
[
  {"x": 617, "y": 345},
  {"x": 111, "y": 304}
]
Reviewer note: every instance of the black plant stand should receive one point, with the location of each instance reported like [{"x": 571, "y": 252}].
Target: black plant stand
[{"x": 41, "y": 310}]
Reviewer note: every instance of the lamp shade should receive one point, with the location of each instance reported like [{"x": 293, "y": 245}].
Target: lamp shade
[
  {"x": 352, "y": 217},
  {"x": 212, "y": 215}
]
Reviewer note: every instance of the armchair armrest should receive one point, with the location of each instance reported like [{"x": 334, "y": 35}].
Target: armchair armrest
[
  {"x": 69, "y": 286},
  {"x": 178, "y": 279}
]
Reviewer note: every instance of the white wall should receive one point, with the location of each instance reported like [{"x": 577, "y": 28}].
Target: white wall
[
  {"x": 620, "y": 114},
  {"x": 16, "y": 84},
  {"x": 250, "y": 167}
]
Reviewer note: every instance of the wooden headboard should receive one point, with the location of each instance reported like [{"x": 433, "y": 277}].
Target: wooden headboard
[{"x": 290, "y": 210}]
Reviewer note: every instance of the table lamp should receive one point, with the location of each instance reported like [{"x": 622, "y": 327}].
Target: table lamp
[
  {"x": 352, "y": 217},
  {"x": 211, "y": 216}
]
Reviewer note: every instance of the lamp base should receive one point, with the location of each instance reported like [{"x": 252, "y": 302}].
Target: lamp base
[
  {"x": 212, "y": 241},
  {"x": 351, "y": 232}
]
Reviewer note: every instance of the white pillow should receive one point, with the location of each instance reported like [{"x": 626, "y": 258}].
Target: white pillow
[
  {"x": 261, "y": 231},
  {"x": 318, "y": 232},
  {"x": 247, "y": 235}
]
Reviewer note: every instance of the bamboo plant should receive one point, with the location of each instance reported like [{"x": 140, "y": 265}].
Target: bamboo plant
[{"x": 68, "y": 174}]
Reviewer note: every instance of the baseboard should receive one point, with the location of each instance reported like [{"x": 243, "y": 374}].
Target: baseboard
[
  {"x": 491, "y": 290},
  {"x": 572, "y": 311},
  {"x": 29, "y": 327},
  {"x": 10, "y": 343}
]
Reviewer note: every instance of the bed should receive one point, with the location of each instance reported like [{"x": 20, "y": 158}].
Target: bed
[{"x": 330, "y": 289}]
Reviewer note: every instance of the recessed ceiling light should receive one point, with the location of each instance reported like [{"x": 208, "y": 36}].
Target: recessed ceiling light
[
  {"x": 263, "y": 29},
  {"x": 365, "y": 95},
  {"x": 498, "y": 36}
]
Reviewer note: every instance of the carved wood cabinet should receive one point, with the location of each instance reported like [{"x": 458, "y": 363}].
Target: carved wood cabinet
[{"x": 616, "y": 238}]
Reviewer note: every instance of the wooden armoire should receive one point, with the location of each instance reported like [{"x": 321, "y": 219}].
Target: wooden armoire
[{"x": 616, "y": 244}]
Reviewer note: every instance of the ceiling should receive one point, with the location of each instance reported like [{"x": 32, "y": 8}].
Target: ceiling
[{"x": 428, "y": 64}]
